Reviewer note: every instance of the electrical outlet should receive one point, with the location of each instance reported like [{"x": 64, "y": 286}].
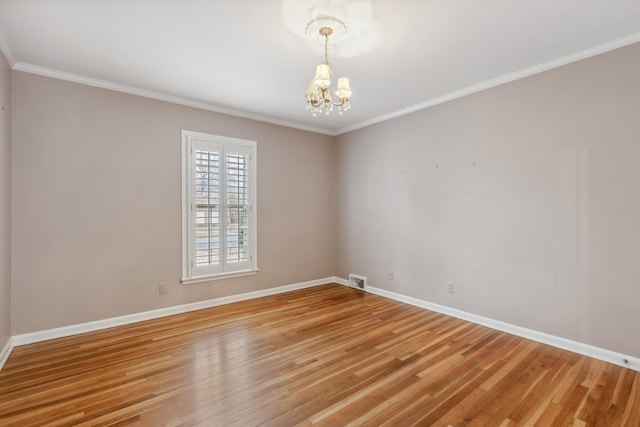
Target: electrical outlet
[
  {"x": 162, "y": 288},
  {"x": 390, "y": 275},
  {"x": 450, "y": 287}
]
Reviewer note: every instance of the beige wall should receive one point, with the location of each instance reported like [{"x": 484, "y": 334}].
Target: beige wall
[
  {"x": 526, "y": 196},
  {"x": 5, "y": 202},
  {"x": 97, "y": 215}
]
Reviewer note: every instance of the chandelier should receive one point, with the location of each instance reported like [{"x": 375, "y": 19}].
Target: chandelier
[{"x": 318, "y": 94}]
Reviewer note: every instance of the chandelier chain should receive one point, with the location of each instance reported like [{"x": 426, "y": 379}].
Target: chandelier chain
[{"x": 326, "y": 49}]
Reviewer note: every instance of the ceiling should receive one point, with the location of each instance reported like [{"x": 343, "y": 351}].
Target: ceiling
[{"x": 242, "y": 56}]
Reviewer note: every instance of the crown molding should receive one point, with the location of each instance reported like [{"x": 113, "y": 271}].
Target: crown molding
[
  {"x": 4, "y": 48},
  {"x": 104, "y": 84},
  {"x": 555, "y": 63}
]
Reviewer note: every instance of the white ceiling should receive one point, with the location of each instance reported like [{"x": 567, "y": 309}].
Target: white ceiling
[{"x": 239, "y": 56}]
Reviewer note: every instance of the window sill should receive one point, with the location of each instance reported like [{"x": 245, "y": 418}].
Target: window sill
[{"x": 198, "y": 279}]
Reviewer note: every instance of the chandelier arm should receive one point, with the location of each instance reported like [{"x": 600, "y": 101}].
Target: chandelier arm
[
  {"x": 326, "y": 95},
  {"x": 316, "y": 102},
  {"x": 323, "y": 99}
]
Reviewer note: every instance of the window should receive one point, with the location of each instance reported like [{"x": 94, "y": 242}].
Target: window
[{"x": 219, "y": 215}]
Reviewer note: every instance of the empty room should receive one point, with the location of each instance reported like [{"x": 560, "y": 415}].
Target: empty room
[{"x": 320, "y": 212}]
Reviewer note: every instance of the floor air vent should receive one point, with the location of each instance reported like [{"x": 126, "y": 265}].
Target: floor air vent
[{"x": 358, "y": 282}]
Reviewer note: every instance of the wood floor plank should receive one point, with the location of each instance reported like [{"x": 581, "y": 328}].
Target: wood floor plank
[{"x": 323, "y": 356}]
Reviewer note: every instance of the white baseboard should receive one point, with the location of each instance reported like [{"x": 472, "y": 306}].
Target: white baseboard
[
  {"x": 563, "y": 343},
  {"x": 6, "y": 351},
  {"x": 81, "y": 328},
  {"x": 552, "y": 340},
  {"x": 341, "y": 281}
]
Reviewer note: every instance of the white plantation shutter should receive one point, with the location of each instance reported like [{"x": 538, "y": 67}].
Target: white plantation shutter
[
  {"x": 237, "y": 218},
  {"x": 206, "y": 207},
  {"x": 219, "y": 212}
]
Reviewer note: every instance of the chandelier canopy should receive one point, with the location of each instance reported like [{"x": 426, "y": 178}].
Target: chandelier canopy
[{"x": 318, "y": 94}]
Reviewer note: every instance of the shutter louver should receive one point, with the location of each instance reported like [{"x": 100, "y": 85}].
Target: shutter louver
[
  {"x": 237, "y": 207},
  {"x": 207, "y": 177}
]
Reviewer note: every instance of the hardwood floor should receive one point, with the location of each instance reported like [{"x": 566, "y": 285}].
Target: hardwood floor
[{"x": 327, "y": 355}]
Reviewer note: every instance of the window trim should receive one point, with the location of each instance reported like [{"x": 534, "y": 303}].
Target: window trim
[{"x": 188, "y": 138}]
